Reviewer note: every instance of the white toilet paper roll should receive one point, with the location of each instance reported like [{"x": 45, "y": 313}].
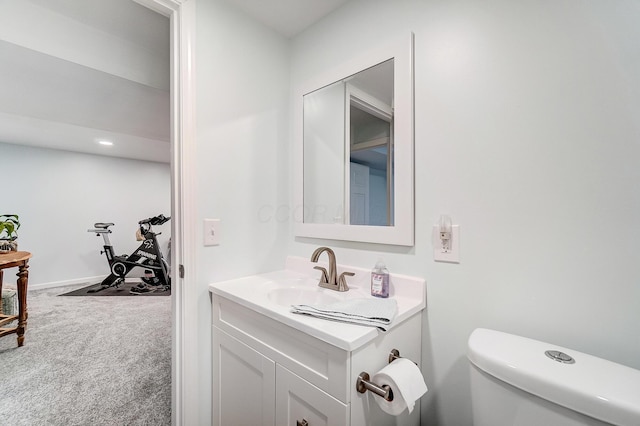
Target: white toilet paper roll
[{"x": 406, "y": 382}]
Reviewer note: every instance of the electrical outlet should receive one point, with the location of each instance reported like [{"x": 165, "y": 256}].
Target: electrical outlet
[
  {"x": 452, "y": 254},
  {"x": 212, "y": 232}
]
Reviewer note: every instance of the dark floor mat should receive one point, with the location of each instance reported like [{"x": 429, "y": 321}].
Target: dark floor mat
[{"x": 122, "y": 290}]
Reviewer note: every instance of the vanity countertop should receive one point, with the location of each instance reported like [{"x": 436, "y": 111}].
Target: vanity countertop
[{"x": 273, "y": 293}]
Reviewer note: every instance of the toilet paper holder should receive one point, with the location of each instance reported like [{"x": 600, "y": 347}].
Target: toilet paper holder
[{"x": 364, "y": 383}]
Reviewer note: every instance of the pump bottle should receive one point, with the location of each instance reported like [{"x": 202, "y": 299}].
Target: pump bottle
[{"x": 380, "y": 280}]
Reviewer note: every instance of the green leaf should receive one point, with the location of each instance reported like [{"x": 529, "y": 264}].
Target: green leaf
[{"x": 9, "y": 224}]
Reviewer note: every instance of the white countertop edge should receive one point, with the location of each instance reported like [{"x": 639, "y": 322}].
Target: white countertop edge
[{"x": 359, "y": 334}]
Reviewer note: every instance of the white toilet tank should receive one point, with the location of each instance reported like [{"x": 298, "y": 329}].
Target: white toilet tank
[{"x": 517, "y": 381}]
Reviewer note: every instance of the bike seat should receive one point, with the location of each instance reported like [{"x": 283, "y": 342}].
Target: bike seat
[{"x": 102, "y": 225}]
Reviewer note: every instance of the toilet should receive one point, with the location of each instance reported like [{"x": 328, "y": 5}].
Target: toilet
[{"x": 516, "y": 381}]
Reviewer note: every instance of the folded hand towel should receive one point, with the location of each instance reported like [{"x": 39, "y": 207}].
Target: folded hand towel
[{"x": 366, "y": 311}]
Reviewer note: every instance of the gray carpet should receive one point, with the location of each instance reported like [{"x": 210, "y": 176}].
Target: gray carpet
[{"x": 89, "y": 361}]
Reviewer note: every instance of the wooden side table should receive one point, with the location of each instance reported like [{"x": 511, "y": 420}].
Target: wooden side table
[{"x": 19, "y": 259}]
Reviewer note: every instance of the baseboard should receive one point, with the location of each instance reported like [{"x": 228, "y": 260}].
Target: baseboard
[{"x": 85, "y": 280}]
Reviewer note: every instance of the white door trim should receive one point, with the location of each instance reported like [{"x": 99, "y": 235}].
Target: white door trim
[{"x": 184, "y": 374}]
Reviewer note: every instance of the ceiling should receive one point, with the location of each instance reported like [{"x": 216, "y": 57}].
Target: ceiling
[
  {"x": 86, "y": 71},
  {"x": 288, "y": 17},
  {"x": 75, "y": 73}
]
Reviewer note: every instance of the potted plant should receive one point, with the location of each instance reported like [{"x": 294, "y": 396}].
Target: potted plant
[{"x": 9, "y": 224}]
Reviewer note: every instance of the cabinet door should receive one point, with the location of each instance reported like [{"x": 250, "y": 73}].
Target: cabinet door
[
  {"x": 243, "y": 384},
  {"x": 298, "y": 401}
]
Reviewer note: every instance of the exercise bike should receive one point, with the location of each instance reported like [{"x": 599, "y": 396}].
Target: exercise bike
[{"x": 147, "y": 256}]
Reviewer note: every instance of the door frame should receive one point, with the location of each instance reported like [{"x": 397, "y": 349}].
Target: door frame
[{"x": 184, "y": 360}]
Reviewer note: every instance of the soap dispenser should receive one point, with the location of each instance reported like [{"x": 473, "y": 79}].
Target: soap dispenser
[{"x": 380, "y": 280}]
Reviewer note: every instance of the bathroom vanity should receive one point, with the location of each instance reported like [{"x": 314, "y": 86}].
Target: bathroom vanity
[{"x": 273, "y": 367}]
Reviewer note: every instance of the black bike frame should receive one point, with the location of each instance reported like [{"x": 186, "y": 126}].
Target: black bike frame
[{"x": 147, "y": 255}]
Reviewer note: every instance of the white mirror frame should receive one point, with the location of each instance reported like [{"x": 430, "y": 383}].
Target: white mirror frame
[{"x": 402, "y": 232}]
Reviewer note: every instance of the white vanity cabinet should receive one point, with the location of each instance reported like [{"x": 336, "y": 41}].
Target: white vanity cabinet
[
  {"x": 253, "y": 390},
  {"x": 266, "y": 372}
]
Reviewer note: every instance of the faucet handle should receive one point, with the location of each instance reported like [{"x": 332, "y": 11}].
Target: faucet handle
[
  {"x": 325, "y": 277},
  {"x": 342, "y": 281}
]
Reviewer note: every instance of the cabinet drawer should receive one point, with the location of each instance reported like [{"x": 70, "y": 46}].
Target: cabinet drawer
[
  {"x": 298, "y": 402},
  {"x": 318, "y": 362}
]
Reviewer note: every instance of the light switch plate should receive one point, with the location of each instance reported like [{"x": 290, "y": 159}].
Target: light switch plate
[
  {"x": 453, "y": 256},
  {"x": 212, "y": 232}
]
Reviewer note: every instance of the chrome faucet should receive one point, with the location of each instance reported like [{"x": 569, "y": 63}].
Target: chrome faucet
[{"x": 329, "y": 279}]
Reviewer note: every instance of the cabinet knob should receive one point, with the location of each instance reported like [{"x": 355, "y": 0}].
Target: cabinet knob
[{"x": 302, "y": 422}]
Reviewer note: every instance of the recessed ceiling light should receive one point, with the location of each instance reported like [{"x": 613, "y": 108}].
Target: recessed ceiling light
[{"x": 105, "y": 143}]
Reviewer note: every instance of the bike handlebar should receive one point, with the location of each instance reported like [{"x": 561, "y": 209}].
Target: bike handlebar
[{"x": 156, "y": 220}]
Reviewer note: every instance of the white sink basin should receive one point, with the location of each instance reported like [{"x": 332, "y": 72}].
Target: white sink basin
[{"x": 298, "y": 295}]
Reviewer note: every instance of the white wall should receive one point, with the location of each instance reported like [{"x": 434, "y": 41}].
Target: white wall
[
  {"x": 243, "y": 160},
  {"x": 59, "y": 195},
  {"x": 526, "y": 133}
]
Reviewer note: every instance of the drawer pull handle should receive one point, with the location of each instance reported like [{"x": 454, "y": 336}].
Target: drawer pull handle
[{"x": 304, "y": 422}]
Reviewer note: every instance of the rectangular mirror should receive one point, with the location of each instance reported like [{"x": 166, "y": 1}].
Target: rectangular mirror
[{"x": 354, "y": 140}]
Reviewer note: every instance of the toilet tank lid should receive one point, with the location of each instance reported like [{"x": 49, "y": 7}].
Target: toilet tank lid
[{"x": 592, "y": 386}]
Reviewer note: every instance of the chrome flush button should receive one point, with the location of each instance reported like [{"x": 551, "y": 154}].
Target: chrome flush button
[{"x": 560, "y": 357}]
